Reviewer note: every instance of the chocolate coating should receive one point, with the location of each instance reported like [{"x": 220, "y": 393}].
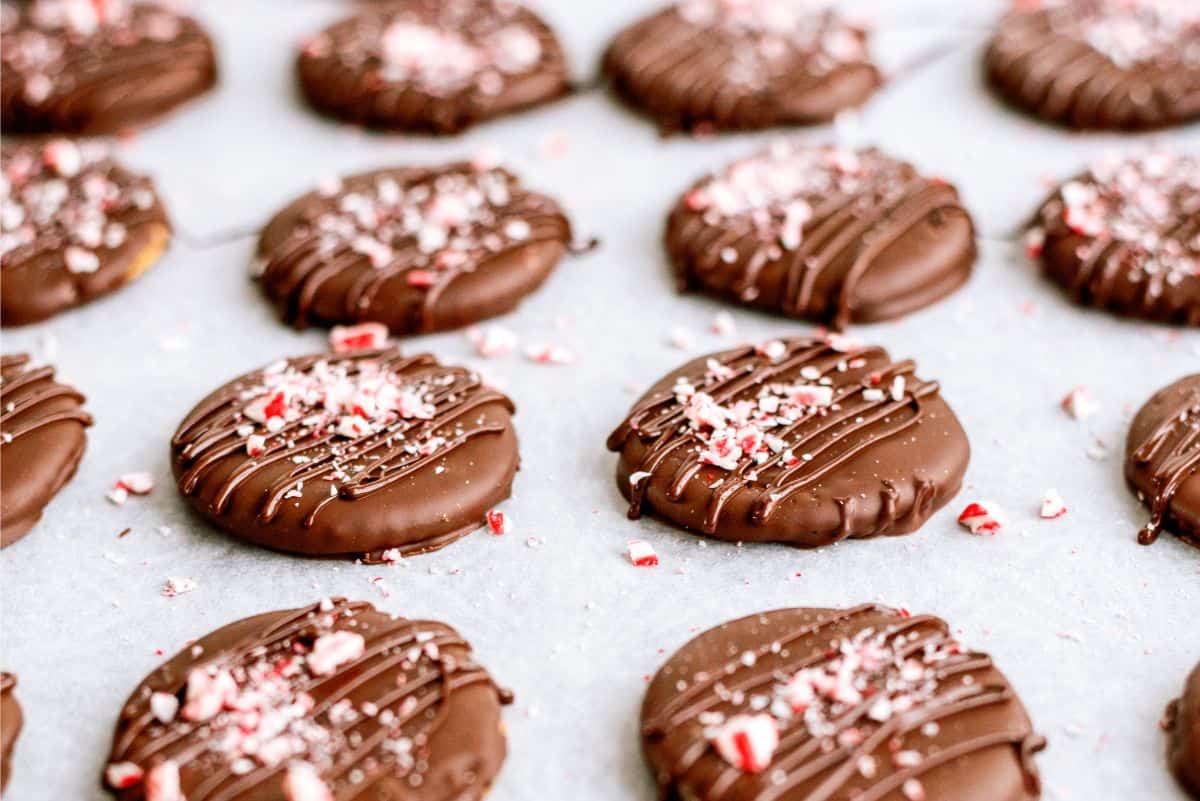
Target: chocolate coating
[
  {"x": 434, "y": 66},
  {"x": 1100, "y": 64},
  {"x": 702, "y": 64},
  {"x": 408, "y": 715},
  {"x": 98, "y": 68},
  {"x": 1125, "y": 236},
  {"x": 823, "y": 234},
  {"x": 42, "y": 440},
  {"x": 417, "y": 249},
  {"x": 1162, "y": 460},
  {"x": 869, "y": 703},
  {"x": 76, "y": 225},
  {"x": 348, "y": 454},
  {"x": 736, "y": 452},
  {"x": 1183, "y": 735},
  {"x": 10, "y": 725}
]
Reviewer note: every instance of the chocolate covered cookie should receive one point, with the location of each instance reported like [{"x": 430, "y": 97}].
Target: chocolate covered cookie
[
  {"x": 74, "y": 225},
  {"x": 1162, "y": 461},
  {"x": 331, "y": 701},
  {"x": 806, "y": 441},
  {"x": 817, "y": 704},
  {"x": 42, "y": 440},
  {"x": 1100, "y": 64},
  {"x": 369, "y": 452},
  {"x": 822, "y": 233},
  {"x": 10, "y": 725},
  {"x": 418, "y": 249},
  {"x": 424, "y": 65},
  {"x": 741, "y": 64},
  {"x": 98, "y": 66},
  {"x": 1125, "y": 236},
  {"x": 1182, "y": 723}
]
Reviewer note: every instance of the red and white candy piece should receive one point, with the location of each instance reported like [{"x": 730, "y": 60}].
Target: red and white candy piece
[
  {"x": 177, "y": 585},
  {"x": 208, "y": 693},
  {"x": 364, "y": 336},
  {"x": 493, "y": 341},
  {"x": 747, "y": 742},
  {"x": 162, "y": 783},
  {"x": 333, "y": 650},
  {"x": 641, "y": 554},
  {"x": 1053, "y": 505},
  {"x": 1080, "y": 403},
  {"x": 498, "y": 522},
  {"x": 302, "y": 782},
  {"x": 983, "y": 517},
  {"x": 549, "y": 354},
  {"x": 63, "y": 156},
  {"x": 123, "y": 775}
]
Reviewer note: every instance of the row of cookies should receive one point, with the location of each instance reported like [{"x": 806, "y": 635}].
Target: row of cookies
[
  {"x": 814, "y": 232},
  {"x": 100, "y": 66},
  {"x": 336, "y": 700}
]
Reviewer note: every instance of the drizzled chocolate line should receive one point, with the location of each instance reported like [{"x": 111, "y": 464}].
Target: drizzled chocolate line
[
  {"x": 1171, "y": 453},
  {"x": 21, "y": 395},
  {"x": 659, "y": 420},
  {"x": 389, "y": 643},
  {"x": 300, "y": 267},
  {"x": 801, "y": 756},
  {"x": 209, "y": 435}
]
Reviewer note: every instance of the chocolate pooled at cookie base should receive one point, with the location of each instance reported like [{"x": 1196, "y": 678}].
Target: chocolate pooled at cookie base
[
  {"x": 741, "y": 64},
  {"x": 10, "y": 725},
  {"x": 418, "y": 249},
  {"x": 1100, "y": 64},
  {"x": 1182, "y": 723},
  {"x": 334, "y": 701},
  {"x": 867, "y": 703},
  {"x": 433, "y": 65},
  {"x": 1125, "y": 236},
  {"x": 42, "y": 439},
  {"x": 372, "y": 452},
  {"x": 74, "y": 225},
  {"x": 822, "y": 233},
  {"x": 98, "y": 66},
  {"x": 1162, "y": 461},
  {"x": 805, "y": 441}
]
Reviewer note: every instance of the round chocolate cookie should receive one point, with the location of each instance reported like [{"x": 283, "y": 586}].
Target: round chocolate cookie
[
  {"x": 1125, "y": 236},
  {"x": 366, "y": 452},
  {"x": 1182, "y": 723},
  {"x": 42, "y": 440},
  {"x": 813, "y": 704},
  {"x": 741, "y": 64},
  {"x": 335, "y": 700},
  {"x": 74, "y": 225},
  {"x": 1162, "y": 460},
  {"x": 10, "y": 725},
  {"x": 418, "y": 249},
  {"x": 98, "y": 66},
  {"x": 1100, "y": 64},
  {"x": 806, "y": 441},
  {"x": 820, "y": 233},
  {"x": 433, "y": 65}
]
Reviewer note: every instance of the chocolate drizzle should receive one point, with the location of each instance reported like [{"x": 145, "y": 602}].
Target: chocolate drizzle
[
  {"x": 10, "y": 725},
  {"x": 380, "y": 247},
  {"x": 811, "y": 447},
  {"x": 926, "y": 698},
  {"x": 715, "y": 64},
  {"x": 115, "y": 68},
  {"x": 799, "y": 229},
  {"x": 1104, "y": 64},
  {"x": 352, "y": 469},
  {"x": 1169, "y": 456},
  {"x": 410, "y": 712},
  {"x": 41, "y": 440}
]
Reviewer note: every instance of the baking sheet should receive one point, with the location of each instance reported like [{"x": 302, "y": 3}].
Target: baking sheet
[{"x": 1096, "y": 632}]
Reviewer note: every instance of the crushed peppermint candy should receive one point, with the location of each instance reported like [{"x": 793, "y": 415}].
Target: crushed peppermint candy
[
  {"x": 1079, "y": 403},
  {"x": 1130, "y": 34},
  {"x": 123, "y": 775},
  {"x": 1053, "y": 505},
  {"x": 550, "y": 354},
  {"x": 498, "y": 522},
  {"x": 747, "y": 742},
  {"x": 641, "y": 554},
  {"x": 177, "y": 585},
  {"x": 302, "y": 782},
  {"x": 983, "y": 517},
  {"x": 70, "y": 198},
  {"x": 492, "y": 341},
  {"x": 364, "y": 336}
]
